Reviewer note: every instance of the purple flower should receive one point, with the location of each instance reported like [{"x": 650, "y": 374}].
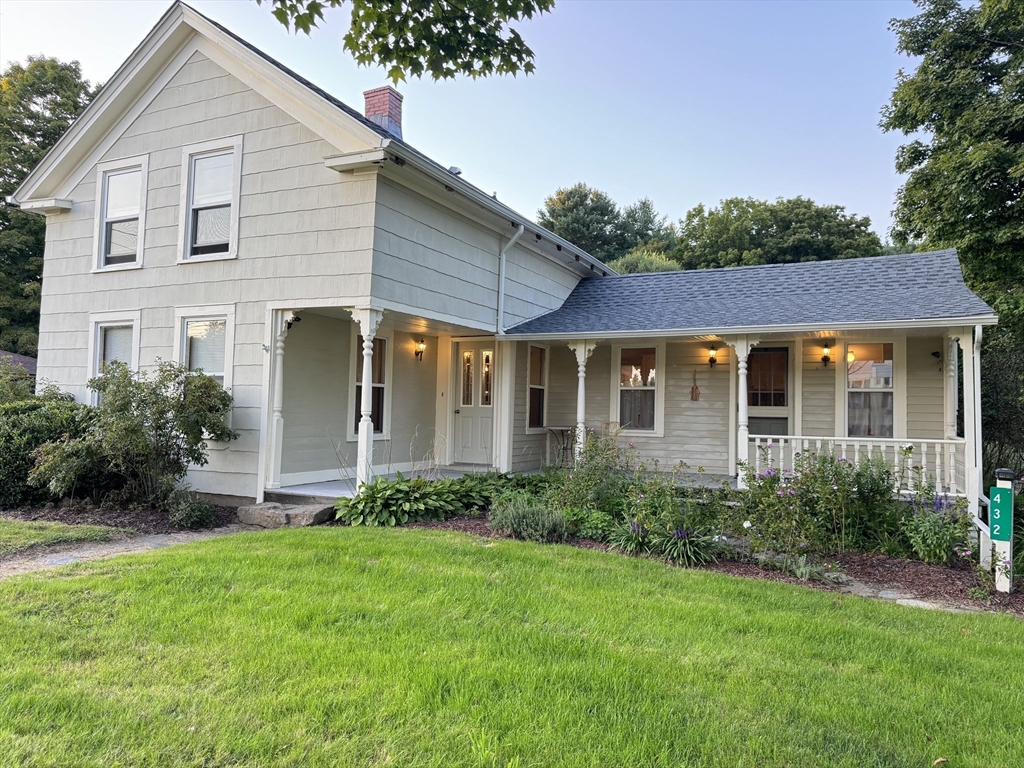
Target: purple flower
[
  {"x": 630, "y": 444},
  {"x": 680, "y": 534}
]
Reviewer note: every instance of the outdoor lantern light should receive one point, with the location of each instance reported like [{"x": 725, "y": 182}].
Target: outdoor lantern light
[
  {"x": 850, "y": 357},
  {"x": 712, "y": 356},
  {"x": 826, "y": 354},
  {"x": 421, "y": 347}
]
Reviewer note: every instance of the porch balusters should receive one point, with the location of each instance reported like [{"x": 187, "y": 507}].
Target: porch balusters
[{"x": 369, "y": 320}]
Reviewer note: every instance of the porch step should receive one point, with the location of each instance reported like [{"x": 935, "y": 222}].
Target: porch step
[
  {"x": 275, "y": 515},
  {"x": 283, "y": 497}
]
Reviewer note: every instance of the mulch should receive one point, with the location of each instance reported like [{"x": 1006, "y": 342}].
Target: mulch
[{"x": 144, "y": 521}]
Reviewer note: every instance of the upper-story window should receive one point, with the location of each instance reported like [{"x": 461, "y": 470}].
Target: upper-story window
[
  {"x": 120, "y": 213},
  {"x": 211, "y": 182}
]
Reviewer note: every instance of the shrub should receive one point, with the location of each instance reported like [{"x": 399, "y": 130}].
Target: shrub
[
  {"x": 27, "y": 425},
  {"x": 599, "y": 478},
  {"x": 16, "y": 384},
  {"x": 936, "y": 527},
  {"x": 522, "y": 515},
  {"x": 399, "y": 501},
  {"x": 589, "y": 523},
  {"x": 190, "y": 511},
  {"x": 147, "y": 430}
]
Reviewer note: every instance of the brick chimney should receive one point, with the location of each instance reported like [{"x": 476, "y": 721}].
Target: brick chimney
[{"x": 384, "y": 107}]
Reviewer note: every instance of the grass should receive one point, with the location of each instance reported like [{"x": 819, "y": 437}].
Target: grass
[
  {"x": 340, "y": 646},
  {"x": 19, "y": 535}
]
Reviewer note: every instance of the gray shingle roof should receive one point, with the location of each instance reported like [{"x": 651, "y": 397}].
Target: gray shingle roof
[{"x": 908, "y": 287}]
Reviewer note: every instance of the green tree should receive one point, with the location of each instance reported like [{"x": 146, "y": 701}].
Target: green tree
[
  {"x": 38, "y": 102},
  {"x": 640, "y": 224},
  {"x": 587, "y": 218},
  {"x": 644, "y": 259},
  {"x": 964, "y": 106},
  {"x": 743, "y": 231},
  {"x": 441, "y": 38}
]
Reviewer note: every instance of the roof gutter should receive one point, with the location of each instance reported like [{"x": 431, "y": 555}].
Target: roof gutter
[
  {"x": 941, "y": 322},
  {"x": 411, "y": 157},
  {"x": 500, "y": 324}
]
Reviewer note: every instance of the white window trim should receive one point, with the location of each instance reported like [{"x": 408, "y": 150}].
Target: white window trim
[
  {"x": 899, "y": 387},
  {"x": 102, "y": 169},
  {"x": 660, "y": 385},
  {"x": 356, "y": 358},
  {"x": 547, "y": 389},
  {"x": 100, "y": 320},
  {"x": 234, "y": 144}
]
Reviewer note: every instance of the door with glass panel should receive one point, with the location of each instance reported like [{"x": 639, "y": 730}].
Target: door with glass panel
[{"x": 474, "y": 406}]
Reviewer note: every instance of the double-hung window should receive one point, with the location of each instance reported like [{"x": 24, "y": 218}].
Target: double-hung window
[
  {"x": 206, "y": 340},
  {"x": 121, "y": 213},
  {"x": 869, "y": 390},
  {"x": 377, "y": 382},
  {"x": 538, "y": 377},
  {"x": 211, "y": 183},
  {"x": 114, "y": 338},
  {"x": 638, "y": 388}
]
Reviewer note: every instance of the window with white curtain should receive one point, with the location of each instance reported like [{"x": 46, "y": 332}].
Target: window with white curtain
[
  {"x": 869, "y": 390},
  {"x": 206, "y": 345},
  {"x": 637, "y": 388}
]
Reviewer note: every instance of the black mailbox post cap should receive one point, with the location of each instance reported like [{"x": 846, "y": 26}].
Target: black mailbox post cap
[{"x": 1005, "y": 474}]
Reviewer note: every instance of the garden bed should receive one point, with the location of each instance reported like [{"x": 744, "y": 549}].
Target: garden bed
[
  {"x": 956, "y": 586},
  {"x": 133, "y": 520}
]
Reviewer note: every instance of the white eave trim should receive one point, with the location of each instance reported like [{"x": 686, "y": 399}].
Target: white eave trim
[
  {"x": 940, "y": 322},
  {"x": 47, "y": 206},
  {"x": 351, "y": 161}
]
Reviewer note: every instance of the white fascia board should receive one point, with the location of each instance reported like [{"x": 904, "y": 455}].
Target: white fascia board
[
  {"x": 113, "y": 101},
  {"x": 582, "y": 260},
  {"x": 940, "y": 322}
]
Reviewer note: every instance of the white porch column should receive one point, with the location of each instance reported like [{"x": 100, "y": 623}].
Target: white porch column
[
  {"x": 971, "y": 429},
  {"x": 742, "y": 346},
  {"x": 369, "y": 320},
  {"x": 282, "y": 320},
  {"x": 583, "y": 350},
  {"x": 950, "y": 390},
  {"x": 504, "y": 403}
]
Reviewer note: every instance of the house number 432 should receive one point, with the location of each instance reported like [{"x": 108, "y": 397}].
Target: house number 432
[{"x": 1000, "y": 514}]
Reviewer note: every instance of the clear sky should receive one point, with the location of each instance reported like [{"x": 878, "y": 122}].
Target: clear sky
[{"x": 681, "y": 102}]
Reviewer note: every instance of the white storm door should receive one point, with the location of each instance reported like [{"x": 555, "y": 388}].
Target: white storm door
[{"x": 474, "y": 404}]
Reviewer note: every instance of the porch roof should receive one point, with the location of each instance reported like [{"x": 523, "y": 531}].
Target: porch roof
[{"x": 904, "y": 290}]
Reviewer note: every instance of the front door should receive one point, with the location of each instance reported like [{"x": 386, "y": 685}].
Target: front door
[{"x": 474, "y": 406}]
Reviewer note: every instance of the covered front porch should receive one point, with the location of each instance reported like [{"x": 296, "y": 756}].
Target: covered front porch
[{"x": 718, "y": 401}]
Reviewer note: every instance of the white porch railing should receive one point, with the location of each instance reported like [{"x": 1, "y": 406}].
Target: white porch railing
[{"x": 939, "y": 461}]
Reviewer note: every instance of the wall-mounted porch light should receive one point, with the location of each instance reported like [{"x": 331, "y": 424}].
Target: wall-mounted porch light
[
  {"x": 826, "y": 353},
  {"x": 712, "y": 356},
  {"x": 421, "y": 347}
]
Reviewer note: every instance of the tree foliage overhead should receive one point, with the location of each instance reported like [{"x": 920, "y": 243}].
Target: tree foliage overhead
[
  {"x": 644, "y": 259},
  {"x": 589, "y": 219},
  {"x": 439, "y": 38},
  {"x": 965, "y": 184},
  {"x": 38, "y": 102},
  {"x": 744, "y": 231}
]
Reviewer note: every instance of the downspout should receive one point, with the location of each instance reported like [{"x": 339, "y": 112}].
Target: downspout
[{"x": 500, "y": 324}]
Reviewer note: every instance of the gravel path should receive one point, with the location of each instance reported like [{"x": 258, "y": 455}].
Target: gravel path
[{"x": 43, "y": 559}]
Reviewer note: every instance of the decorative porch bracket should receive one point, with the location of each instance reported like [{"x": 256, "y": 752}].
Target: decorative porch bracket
[
  {"x": 583, "y": 350},
  {"x": 742, "y": 345},
  {"x": 283, "y": 321},
  {"x": 369, "y": 320}
]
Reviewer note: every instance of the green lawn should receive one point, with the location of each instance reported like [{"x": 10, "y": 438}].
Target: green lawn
[
  {"x": 19, "y": 535},
  {"x": 339, "y": 646}
]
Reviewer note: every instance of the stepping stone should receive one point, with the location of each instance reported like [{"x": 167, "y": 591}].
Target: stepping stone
[{"x": 270, "y": 514}]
